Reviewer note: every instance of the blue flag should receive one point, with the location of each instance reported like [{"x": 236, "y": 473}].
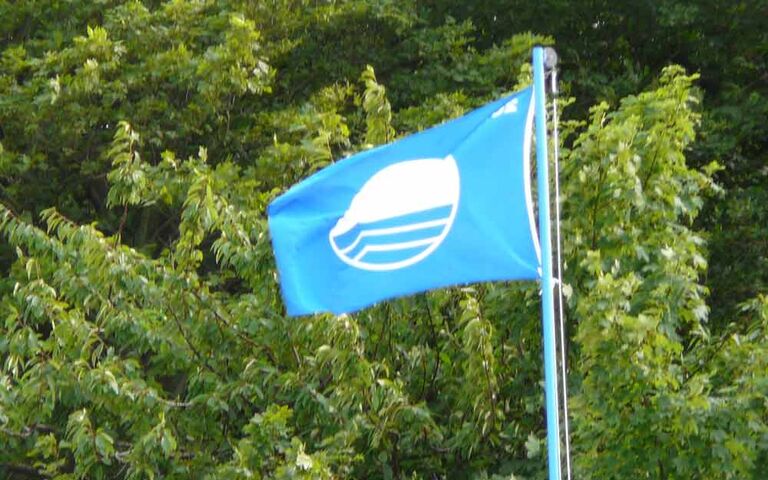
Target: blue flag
[{"x": 446, "y": 206}]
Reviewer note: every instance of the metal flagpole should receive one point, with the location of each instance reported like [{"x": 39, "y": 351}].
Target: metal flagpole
[
  {"x": 547, "y": 301},
  {"x": 550, "y": 63}
]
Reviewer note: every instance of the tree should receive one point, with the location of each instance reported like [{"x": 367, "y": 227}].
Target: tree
[
  {"x": 654, "y": 401},
  {"x": 143, "y": 332}
]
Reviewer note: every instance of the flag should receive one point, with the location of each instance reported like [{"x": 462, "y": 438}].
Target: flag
[{"x": 446, "y": 206}]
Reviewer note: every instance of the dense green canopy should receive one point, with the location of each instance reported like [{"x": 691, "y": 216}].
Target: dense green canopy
[{"x": 142, "y": 334}]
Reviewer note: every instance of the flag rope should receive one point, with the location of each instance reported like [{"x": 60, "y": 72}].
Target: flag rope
[{"x": 551, "y": 63}]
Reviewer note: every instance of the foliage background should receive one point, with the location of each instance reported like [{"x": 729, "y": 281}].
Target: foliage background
[{"x": 142, "y": 332}]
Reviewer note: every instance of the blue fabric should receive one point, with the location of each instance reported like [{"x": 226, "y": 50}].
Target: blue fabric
[{"x": 446, "y": 206}]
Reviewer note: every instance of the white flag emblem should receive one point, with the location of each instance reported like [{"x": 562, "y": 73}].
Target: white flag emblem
[{"x": 399, "y": 216}]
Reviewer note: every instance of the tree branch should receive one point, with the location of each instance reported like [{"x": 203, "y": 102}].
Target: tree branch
[{"x": 24, "y": 470}]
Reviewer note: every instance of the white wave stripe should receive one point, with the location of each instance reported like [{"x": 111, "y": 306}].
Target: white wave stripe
[
  {"x": 396, "y": 246},
  {"x": 374, "y": 232}
]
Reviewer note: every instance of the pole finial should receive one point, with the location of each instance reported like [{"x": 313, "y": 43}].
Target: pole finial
[{"x": 550, "y": 58}]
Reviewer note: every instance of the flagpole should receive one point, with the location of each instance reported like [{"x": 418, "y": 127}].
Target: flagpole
[
  {"x": 550, "y": 64},
  {"x": 547, "y": 299}
]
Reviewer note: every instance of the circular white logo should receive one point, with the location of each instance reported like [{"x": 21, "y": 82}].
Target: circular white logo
[{"x": 399, "y": 216}]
